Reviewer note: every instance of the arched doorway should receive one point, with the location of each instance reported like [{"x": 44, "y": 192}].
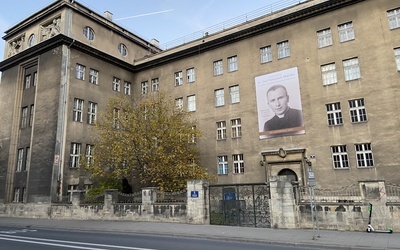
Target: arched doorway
[{"x": 292, "y": 176}]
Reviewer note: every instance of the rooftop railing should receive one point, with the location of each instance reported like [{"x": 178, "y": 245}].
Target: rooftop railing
[{"x": 250, "y": 16}]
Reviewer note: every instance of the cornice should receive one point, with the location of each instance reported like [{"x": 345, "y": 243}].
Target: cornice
[
  {"x": 37, "y": 16},
  {"x": 56, "y": 41},
  {"x": 82, "y": 10},
  {"x": 276, "y": 23}
]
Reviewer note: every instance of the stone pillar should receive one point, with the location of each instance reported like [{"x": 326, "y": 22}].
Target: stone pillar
[
  {"x": 149, "y": 197},
  {"x": 197, "y": 202},
  {"x": 110, "y": 197},
  {"x": 282, "y": 206},
  {"x": 374, "y": 192}
]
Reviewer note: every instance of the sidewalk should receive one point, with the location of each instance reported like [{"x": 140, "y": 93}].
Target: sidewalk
[{"x": 293, "y": 237}]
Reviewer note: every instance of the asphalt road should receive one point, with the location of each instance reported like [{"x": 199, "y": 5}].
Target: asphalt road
[{"x": 55, "y": 239}]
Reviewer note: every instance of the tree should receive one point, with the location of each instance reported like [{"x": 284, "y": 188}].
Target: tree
[{"x": 150, "y": 141}]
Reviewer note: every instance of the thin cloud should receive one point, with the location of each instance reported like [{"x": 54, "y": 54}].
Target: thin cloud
[{"x": 147, "y": 14}]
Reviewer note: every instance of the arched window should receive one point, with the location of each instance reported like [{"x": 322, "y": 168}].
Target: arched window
[
  {"x": 122, "y": 49},
  {"x": 31, "y": 40},
  {"x": 88, "y": 33}
]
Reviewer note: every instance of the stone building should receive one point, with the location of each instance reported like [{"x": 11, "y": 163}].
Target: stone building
[{"x": 338, "y": 60}]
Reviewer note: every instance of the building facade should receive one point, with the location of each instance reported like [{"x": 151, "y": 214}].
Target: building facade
[{"x": 335, "y": 63}]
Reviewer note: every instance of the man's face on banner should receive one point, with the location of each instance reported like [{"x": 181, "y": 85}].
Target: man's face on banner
[{"x": 278, "y": 101}]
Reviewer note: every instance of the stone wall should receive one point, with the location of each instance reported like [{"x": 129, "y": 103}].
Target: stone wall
[
  {"x": 353, "y": 215},
  {"x": 192, "y": 211},
  {"x": 287, "y": 210}
]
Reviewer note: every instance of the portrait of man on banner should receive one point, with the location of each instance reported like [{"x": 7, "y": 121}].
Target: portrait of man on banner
[{"x": 279, "y": 104}]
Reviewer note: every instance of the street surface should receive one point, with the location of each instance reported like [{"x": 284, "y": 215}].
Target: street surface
[{"x": 56, "y": 239}]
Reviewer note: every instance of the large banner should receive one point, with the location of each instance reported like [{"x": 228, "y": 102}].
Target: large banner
[{"x": 279, "y": 104}]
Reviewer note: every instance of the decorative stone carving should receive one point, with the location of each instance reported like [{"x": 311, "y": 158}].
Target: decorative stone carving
[
  {"x": 50, "y": 30},
  {"x": 15, "y": 46}
]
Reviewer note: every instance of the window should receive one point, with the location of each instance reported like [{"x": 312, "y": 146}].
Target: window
[
  {"x": 88, "y": 33},
  {"x": 236, "y": 125},
  {"x": 178, "y": 78},
  {"x": 89, "y": 153},
  {"x": 238, "y": 164},
  {"x": 334, "y": 114},
  {"x": 154, "y": 85},
  {"x": 283, "y": 49},
  {"x": 339, "y": 157},
  {"x": 179, "y": 103},
  {"x": 74, "y": 155},
  {"x": 16, "y": 195},
  {"x": 329, "y": 75},
  {"x": 77, "y": 111},
  {"x": 222, "y": 164},
  {"x": 93, "y": 77},
  {"x": 324, "y": 38},
  {"x": 232, "y": 63},
  {"x": 24, "y": 117},
  {"x": 346, "y": 32},
  {"x": 351, "y": 69},
  {"x": 364, "y": 155},
  {"x": 144, "y": 87},
  {"x": 219, "y": 97},
  {"x": 218, "y": 68},
  {"x": 266, "y": 54},
  {"x": 20, "y": 160},
  {"x": 27, "y": 159},
  {"x": 193, "y": 137},
  {"x": 31, "y": 115},
  {"x": 190, "y": 75},
  {"x": 394, "y": 18},
  {"x": 35, "y": 77},
  {"x": 31, "y": 40},
  {"x": 80, "y": 72},
  {"x": 123, "y": 50},
  {"x": 116, "y": 118},
  {"x": 397, "y": 57},
  {"x": 127, "y": 88},
  {"x": 23, "y": 194},
  {"x": 358, "y": 112},
  {"x": 92, "y": 111},
  {"x": 116, "y": 84},
  {"x": 234, "y": 94},
  {"x": 70, "y": 191},
  {"x": 221, "y": 130},
  {"x": 28, "y": 81},
  {"x": 191, "y": 100}
]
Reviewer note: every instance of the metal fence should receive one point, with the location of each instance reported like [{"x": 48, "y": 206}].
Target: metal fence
[
  {"x": 93, "y": 199},
  {"x": 392, "y": 192},
  {"x": 172, "y": 197},
  {"x": 250, "y": 16},
  {"x": 349, "y": 194},
  {"x": 129, "y": 198}
]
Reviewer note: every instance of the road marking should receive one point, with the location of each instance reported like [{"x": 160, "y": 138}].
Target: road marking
[
  {"x": 61, "y": 243},
  {"x": 17, "y": 231}
]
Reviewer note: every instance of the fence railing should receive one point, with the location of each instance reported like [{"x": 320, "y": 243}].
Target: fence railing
[
  {"x": 172, "y": 197},
  {"x": 349, "y": 194},
  {"x": 130, "y": 198},
  {"x": 250, "y": 16},
  {"x": 392, "y": 192},
  {"x": 93, "y": 199}
]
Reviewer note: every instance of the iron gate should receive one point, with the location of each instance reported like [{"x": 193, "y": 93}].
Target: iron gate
[{"x": 245, "y": 205}]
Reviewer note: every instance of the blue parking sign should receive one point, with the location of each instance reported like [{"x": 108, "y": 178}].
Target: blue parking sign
[{"x": 194, "y": 194}]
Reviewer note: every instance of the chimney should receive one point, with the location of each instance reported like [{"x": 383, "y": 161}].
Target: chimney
[
  {"x": 155, "y": 42},
  {"x": 108, "y": 15}
]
